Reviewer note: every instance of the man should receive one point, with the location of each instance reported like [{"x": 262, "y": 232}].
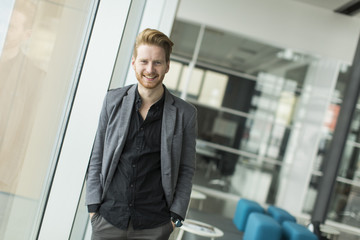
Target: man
[{"x": 143, "y": 160}]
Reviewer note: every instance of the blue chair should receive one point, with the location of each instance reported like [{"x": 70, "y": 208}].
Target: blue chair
[
  {"x": 243, "y": 210},
  {"x": 280, "y": 215},
  {"x": 295, "y": 231},
  {"x": 262, "y": 227}
]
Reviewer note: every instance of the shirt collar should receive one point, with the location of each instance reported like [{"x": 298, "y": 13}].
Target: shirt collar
[{"x": 157, "y": 105}]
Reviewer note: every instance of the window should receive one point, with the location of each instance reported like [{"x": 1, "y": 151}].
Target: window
[{"x": 41, "y": 56}]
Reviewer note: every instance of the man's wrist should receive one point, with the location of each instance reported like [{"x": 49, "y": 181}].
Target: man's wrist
[
  {"x": 177, "y": 222},
  {"x": 176, "y": 219}
]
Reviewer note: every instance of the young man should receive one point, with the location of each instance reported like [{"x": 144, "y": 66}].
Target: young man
[{"x": 143, "y": 160}]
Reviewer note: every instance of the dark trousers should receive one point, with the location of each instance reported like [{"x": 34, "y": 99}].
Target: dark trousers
[{"x": 102, "y": 230}]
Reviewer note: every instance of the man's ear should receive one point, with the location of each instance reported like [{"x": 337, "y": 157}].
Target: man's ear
[
  {"x": 133, "y": 62},
  {"x": 167, "y": 67}
]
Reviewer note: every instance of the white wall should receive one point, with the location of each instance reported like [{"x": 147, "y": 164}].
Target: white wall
[{"x": 284, "y": 23}]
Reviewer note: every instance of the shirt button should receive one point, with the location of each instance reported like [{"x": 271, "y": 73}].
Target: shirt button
[
  {"x": 133, "y": 165},
  {"x": 131, "y": 185},
  {"x": 130, "y": 205}
]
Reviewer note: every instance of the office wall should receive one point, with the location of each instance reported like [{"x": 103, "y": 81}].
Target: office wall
[{"x": 280, "y": 22}]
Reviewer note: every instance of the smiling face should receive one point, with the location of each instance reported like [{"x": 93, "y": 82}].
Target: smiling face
[{"x": 150, "y": 66}]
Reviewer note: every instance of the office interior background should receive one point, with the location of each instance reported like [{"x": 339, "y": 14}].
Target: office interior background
[{"x": 267, "y": 77}]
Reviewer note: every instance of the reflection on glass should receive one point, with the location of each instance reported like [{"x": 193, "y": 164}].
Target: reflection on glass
[
  {"x": 185, "y": 35},
  {"x": 266, "y": 88},
  {"x": 344, "y": 206},
  {"x": 80, "y": 228},
  {"x": 171, "y": 79},
  {"x": 346, "y": 199},
  {"x": 246, "y": 105},
  {"x": 241, "y": 176},
  {"x": 21, "y": 82},
  {"x": 195, "y": 80},
  {"x": 38, "y": 62},
  {"x": 213, "y": 88}
]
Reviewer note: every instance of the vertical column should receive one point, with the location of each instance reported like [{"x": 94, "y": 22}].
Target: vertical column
[{"x": 334, "y": 154}]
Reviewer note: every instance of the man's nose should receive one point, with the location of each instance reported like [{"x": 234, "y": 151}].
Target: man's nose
[{"x": 150, "y": 68}]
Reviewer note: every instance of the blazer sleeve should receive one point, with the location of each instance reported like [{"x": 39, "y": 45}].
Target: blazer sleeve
[
  {"x": 94, "y": 183},
  {"x": 186, "y": 168}
]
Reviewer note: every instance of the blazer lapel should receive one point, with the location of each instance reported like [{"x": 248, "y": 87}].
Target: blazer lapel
[
  {"x": 122, "y": 124},
  {"x": 124, "y": 116}
]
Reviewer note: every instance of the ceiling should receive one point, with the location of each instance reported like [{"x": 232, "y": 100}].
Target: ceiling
[
  {"x": 228, "y": 51},
  {"x": 237, "y": 53},
  {"x": 333, "y": 5}
]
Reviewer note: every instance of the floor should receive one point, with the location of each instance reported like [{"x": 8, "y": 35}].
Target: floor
[
  {"x": 211, "y": 214},
  {"x": 219, "y": 212},
  {"x": 225, "y": 224}
]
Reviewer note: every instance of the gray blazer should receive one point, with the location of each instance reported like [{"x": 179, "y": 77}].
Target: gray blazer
[{"x": 178, "y": 139}]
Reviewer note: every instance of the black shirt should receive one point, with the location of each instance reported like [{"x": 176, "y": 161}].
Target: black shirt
[{"x": 136, "y": 190}]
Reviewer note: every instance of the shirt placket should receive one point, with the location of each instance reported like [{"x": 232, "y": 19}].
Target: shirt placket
[{"x": 139, "y": 145}]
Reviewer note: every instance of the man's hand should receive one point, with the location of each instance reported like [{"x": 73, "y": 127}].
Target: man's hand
[
  {"x": 92, "y": 214},
  {"x": 173, "y": 224}
]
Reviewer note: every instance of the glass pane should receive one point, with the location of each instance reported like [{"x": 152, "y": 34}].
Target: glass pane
[
  {"x": 240, "y": 175},
  {"x": 345, "y": 201},
  {"x": 251, "y": 116},
  {"x": 344, "y": 205},
  {"x": 343, "y": 78},
  {"x": 213, "y": 89},
  {"x": 39, "y": 67},
  {"x": 195, "y": 80},
  {"x": 350, "y": 162},
  {"x": 185, "y": 35},
  {"x": 80, "y": 228},
  {"x": 236, "y": 52},
  {"x": 248, "y": 97},
  {"x": 172, "y": 77}
]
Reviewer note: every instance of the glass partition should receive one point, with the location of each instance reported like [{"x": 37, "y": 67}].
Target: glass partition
[
  {"x": 248, "y": 95},
  {"x": 40, "y": 61},
  {"x": 345, "y": 202}
]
